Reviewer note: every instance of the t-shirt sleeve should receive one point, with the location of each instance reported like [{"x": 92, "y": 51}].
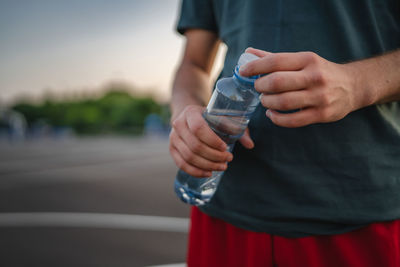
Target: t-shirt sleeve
[{"x": 196, "y": 14}]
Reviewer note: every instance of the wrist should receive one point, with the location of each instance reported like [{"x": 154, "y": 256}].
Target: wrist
[
  {"x": 177, "y": 109},
  {"x": 376, "y": 80},
  {"x": 362, "y": 84}
]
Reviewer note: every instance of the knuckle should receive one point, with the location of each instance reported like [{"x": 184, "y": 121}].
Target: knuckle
[
  {"x": 195, "y": 147},
  {"x": 318, "y": 77},
  {"x": 174, "y": 123},
  {"x": 189, "y": 157},
  {"x": 197, "y": 128},
  {"x": 311, "y": 57},
  {"x": 273, "y": 61},
  {"x": 284, "y": 103},
  {"x": 221, "y": 157},
  {"x": 325, "y": 99},
  {"x": 276, "y": 81}
]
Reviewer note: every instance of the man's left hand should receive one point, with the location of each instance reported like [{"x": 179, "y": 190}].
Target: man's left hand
[{"x": 319, "y": 90}]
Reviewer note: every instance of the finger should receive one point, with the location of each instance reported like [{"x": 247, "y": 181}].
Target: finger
[
  {"x": 246, "y": 140},
  {"x": 193, "y": 159},
  {"x": 275, "y": 62},
  {"x": 288, "y": 101},
  {"x": 282, "y": 81},
  {"x": 200, "y": 148},
  {"x": 257, "y": 52},
  {"x": 199, "y": 127},
  {"x": 183, "y": 165},
  {"x": 292, "y": 120}
]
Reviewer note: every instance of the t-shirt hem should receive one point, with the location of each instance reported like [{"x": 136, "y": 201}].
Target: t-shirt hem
[
  {"x": 183, "y": 28},
  {"x": 255, "y": 226}
]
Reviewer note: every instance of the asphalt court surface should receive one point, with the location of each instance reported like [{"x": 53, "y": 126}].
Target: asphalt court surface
[{"x": 90, "y": 202}]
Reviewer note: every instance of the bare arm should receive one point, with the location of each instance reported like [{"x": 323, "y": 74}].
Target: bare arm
[{"x": 191, "y": 84}]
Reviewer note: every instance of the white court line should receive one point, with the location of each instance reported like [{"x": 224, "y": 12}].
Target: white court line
[{"x": 94, "y": 220}]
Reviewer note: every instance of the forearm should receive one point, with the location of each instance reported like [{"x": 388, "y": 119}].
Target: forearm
[
  {"x": 377, "y": 80},
  {"x": 190, "y": 87}
]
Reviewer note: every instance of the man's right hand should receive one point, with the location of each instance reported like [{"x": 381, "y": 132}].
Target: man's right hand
[{"x": 194, "y": 147}]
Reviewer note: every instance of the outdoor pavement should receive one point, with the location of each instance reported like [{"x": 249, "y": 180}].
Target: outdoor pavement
[{"x": 90, "y": 202}]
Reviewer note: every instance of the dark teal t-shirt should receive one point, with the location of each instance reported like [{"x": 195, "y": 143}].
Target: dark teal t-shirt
[{"x": 324, "y": 178}]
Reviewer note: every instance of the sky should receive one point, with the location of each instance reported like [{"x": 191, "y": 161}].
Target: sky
[{"x": 63, "y": 46}]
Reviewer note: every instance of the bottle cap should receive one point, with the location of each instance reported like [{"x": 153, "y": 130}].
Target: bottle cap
[{"x": 244, "y": 59}]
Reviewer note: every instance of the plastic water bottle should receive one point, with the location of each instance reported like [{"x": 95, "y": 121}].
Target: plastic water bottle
[{"x": 228, "y": 113}]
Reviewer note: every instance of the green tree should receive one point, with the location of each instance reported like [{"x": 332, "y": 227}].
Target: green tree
[{"x": 114, "y": 112}]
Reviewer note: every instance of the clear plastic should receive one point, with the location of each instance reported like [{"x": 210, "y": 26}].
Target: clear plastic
[{"x": 228, "y": 114}]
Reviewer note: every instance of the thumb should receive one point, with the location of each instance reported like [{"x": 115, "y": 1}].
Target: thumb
[{"x": 246, "y": 140}]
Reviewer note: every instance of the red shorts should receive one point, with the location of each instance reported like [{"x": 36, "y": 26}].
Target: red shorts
[{"x": 212, "y": 242}]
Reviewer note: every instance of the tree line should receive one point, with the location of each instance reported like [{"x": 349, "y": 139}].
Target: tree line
[{"x": 116, "y": 111}]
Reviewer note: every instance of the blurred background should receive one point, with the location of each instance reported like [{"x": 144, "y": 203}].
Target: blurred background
[{"x": 85, "y": 174}]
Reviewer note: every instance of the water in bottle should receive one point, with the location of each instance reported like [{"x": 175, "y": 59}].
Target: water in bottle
[{"x": 228, "y": 113}]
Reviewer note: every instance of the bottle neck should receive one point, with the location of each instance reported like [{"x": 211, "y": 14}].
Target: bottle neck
[
  {"x": 242, "y": 81},
  {"x": 247, "y": 82}
]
